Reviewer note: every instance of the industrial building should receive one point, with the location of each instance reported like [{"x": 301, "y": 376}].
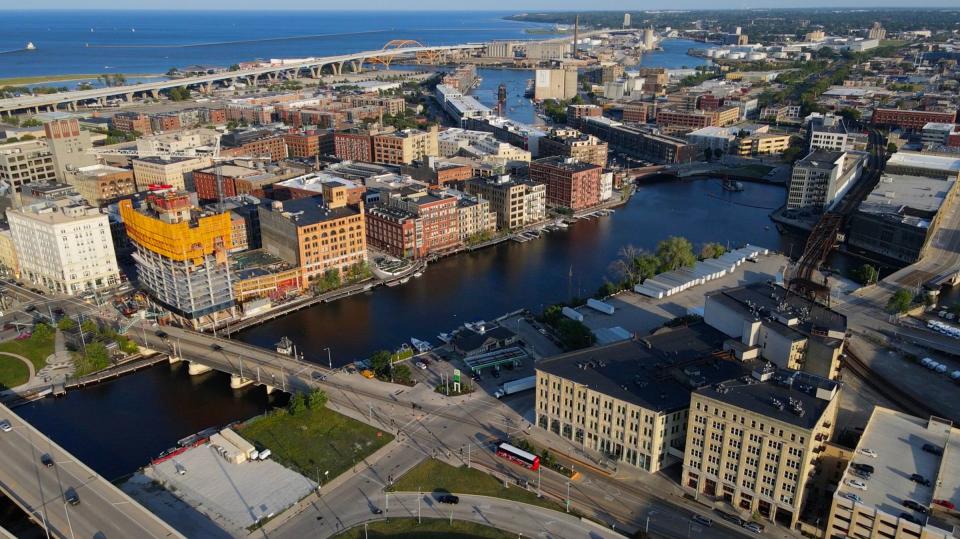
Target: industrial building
[
  {"x": 913, "y": 462},
  {"x": 181, "y": 257},
  {"x": 630, "y": 399},
  {"x": 641, "y": 142},
  {"x": 459, "y": 105},
  {"x": 558, "y": 84},
  {"x": 754, "y": 442},
  {"x": 764, "y": 320}
]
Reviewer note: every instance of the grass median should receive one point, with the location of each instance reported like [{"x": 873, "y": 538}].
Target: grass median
[
  {"x": 315, "y": 440},
  {"x": 432, "y": 475},
  {"x": 37, "y": 348},
  {"x": 408, "y": 528}
]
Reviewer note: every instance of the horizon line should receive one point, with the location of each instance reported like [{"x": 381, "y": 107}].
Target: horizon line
[{"x": 516, "y": 11}]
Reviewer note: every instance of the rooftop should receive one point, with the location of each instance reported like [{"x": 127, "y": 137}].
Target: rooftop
[
  {"x": 569, "y": 164},
  {"x": 820, "y": 159},
  {"x": 100, "y": 170},
  {"x": 793, "y": 397},
  {"x": 310, "y": 210},
  {"x": 914, "y": 199},
  {"x": 898, "y": 440},
  {"x": 784, "y": 310},
  {"x": 942, "y": 163},
  {"x": 657, "y": 373}
]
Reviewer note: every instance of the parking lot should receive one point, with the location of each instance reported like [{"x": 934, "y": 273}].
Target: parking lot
[{"x": 235, "y": 496}]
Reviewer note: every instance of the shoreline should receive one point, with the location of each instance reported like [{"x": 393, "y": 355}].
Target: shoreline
[{"x": 70, "y": 77}]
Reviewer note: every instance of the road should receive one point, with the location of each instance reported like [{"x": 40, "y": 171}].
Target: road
[{"x": 103, "y": 512}]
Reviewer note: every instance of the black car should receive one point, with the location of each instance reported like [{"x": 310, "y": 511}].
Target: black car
[
  {"x": 909, "y": 518},
  {"x": 917, "y": 478},
  {"x": 71, "y": 496},
  {"x": 730, "y": 518},
  {"x": 932, "y": 449},
  {"x": 915, "y": 506},
  {"x": 317, "y": 375},
  {"x": 449, "y": 498},
  {"x": 46, "y": 460},
  {"x": 865, "y": 468},
  {"x": 377, "y": 511},
  {"x": 161, "y": 333},
  {"x": 216, "y": 347}
]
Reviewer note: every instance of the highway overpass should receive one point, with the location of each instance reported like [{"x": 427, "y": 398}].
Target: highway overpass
[
  {"x": 103, "y": 512},
  {"x": 313, "y": 66}
]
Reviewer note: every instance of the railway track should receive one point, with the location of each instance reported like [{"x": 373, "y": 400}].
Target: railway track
[{"x": 907, "y": 402}]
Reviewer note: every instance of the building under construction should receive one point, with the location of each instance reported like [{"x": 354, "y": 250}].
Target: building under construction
[{"x": 181, "y": 257}]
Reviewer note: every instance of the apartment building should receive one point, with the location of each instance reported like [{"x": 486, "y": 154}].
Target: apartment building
[
  {"x": 131, "y": 122},
  {"x": 911, "y": 120},
  {"x": 517, "y": 203},
  {"x": 188, "y": 142},
  {"x": 414, "y": 223},
  {"x": 475, "y": 217},
  {"x": 308, "y": 143},
  {"x": 8, "y": 253},
  {"x": 315, "y": 236},
  {"x": 404, "y": 147},
  {"x": 102, "y": 184},
  {"x": 764, "y": 321},
  {"x": 26, "y": 162},
  {"x": 389, "y": 105},
  {"x": 640, "y": 141},
  {"x": 255, "y": 142},
  {"x": 676, "y": 122},
  {"x": 912, "y": 459},
  {"x": 353, "y": 145},
  {"x": 580, "y": 111},
  {"x": 755, "y": 442},
  {"x": 181, "y": 257},
  {"x": 822, "y": 178},
  {"x": 69, "y": 146},
  {"x": 64, "y": 246},
  {"x": 574, "y": 144},
  {"x": 173, "y": 171},
  {"x": 630, "y": 399},
  {"x": 570, "y": 183},
  {"x": 763, "y": 144}
]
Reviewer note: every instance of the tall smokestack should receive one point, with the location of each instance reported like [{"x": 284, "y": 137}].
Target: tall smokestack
[{"x": 576, "y": 35}]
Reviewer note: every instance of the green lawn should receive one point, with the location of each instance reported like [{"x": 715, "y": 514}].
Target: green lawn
[
  {"x": 315, "y": 440},
  {"x": 407, "y": 528},
  {"x": 432, "y": 475},
  {"x": 12, "y": 372},
  {"x": 21, "y": 81},
  {"x": 36, "y": 349}
]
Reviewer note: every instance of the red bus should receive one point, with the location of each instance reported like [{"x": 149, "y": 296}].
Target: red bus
[{"x": 518, "y": 456}]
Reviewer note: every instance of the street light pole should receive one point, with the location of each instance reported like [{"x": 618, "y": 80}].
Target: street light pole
[
  {"x": 568, "y": 500},
  {"x": 329, "y": 359},
  {"x": 539, "y": 493},
  {"x": 418, "y": 505}
]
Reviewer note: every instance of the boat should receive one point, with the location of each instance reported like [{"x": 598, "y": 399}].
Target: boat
[
  {"x": 420, "y": 346},
  {"x": 445, "y": 337},
  {"x": 30, "y": 46},
  {"x": 418, "y": 274},
  {"x": 404, "y": 280},
  {"x": 393, "y": 283},
  {"x": 732, "y": 185}
]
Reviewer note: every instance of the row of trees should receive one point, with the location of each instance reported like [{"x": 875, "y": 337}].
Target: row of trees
[
  {"x": 300, "y": 403},
  {"x": 331, "y": 279},
  {"x": 573, "y": 335},
  {"x": 635, "y": 265}
]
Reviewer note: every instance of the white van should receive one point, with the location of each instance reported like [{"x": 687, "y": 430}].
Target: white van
[
  {"x": 926, "y": 362},
  {"x": 264, "y": 455}
]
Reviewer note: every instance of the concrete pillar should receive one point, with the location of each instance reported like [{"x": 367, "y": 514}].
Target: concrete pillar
[
  {"x": 173, "y": 360},
  {"x": 270, "y": 389},
  {"x": 252, "y": 80},
  {"x": 102, "y": 101},
  {"x": 128, "y": 97},
  {"x": 208, "y": 87},
  {"x": 338, "y": 68},
  {"x": 356, "y": 66},
  {"x": 315, "y": 71},
  {"x": 237, "y": 382},
  {"x": 155, "y": 94},
  {"x": 195, "y": 369}
]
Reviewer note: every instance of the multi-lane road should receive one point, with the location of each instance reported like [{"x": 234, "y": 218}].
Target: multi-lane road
[{"x": 103, "y": 510}]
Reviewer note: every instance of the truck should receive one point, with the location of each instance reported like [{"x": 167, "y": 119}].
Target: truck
[{"x": 515, "y": 386}]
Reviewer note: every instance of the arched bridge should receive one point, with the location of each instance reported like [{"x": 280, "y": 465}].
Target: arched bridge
[{"x": 314, "y": 66}]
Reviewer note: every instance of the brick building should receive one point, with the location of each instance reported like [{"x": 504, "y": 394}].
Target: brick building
[
  {"x": 911, "y": 120},
  {"x": 570, "y": 183}
]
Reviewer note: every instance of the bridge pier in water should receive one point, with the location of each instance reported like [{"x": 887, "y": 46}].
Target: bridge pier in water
[
  {"x": 196, "y": 369},
  {"x": 237, "y": 381}
]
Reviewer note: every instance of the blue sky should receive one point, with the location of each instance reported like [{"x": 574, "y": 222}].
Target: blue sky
[{"x": 505, "y": 5}]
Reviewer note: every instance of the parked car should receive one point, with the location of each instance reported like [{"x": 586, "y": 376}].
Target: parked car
[
  {"x": 702, "y": 520},
  {"x": 868, "y": 452},
  {"x": 317, "y": 375},
  {"x": 852, "y": 497},
  {"x": 866, "y": 468},
  {"x": 754, "y": 527},
  {"x": 932, "y": 449},
  {"x": 5, "y": 426},
  {"x": 917, "y": 478},
  {"x": 449, "y": 498},
  {"x": 916, "y": 506},
  {"x": 421, "y": 365},
  {"x": 729, "y": 517},
  {"x": 857, "y": 484},
  {"x": 946, "y": 504},
  {"x": 46, "y": 460}
]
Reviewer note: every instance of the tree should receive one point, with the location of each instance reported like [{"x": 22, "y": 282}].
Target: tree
[
  {"x": 851, "y": 115},
  {"x": 865, "y": 274},
  {"x": 66, "y": 324},
  {"x": 900, "y": 301},
  {"x": 31, "y": 122},
  {"x": 328, "y": 281},
  {"x": 317, "y": 399},
  {"x": 297, "y": 405},
  {"x": 892, "y": 148},
  {"x": 180, "y": 93},
  {"x": 574, "y": 335},
  {"x": 89, "y": 326},
  {"x": 712, "y": 250},
  {"x": 674, "y": 253},
  {"x": 380, "y": 362},
  {"x": 42, "y": 331},
  {"x": 402, "y": 373},
  {"x": 234, "y": 67}
]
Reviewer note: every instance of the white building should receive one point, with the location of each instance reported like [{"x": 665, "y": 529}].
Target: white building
[
  {"x": 821, "y": 178},
  {"x": 937, "y": 133},
  {"x": 64, "y": 246},
  {"x": 829, "y": 133},
  {"x": 190, "y": 142}
]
